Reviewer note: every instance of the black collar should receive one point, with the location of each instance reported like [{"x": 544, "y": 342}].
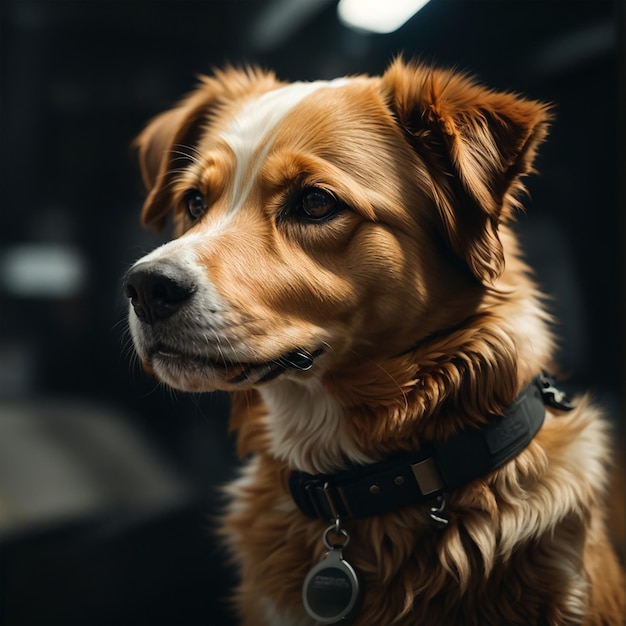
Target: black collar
[{"x": 419, "y": 477}]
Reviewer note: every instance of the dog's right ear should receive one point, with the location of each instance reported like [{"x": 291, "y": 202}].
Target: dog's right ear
[
  {"x": 167, "y": 144},
  {"x": 478, "y": 146}
]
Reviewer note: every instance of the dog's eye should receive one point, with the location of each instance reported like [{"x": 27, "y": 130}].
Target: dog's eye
[
  {"x": 195, "y": 204},
  {"x": 317, "y": 204}
]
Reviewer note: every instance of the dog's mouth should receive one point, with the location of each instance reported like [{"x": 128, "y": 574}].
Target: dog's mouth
[{"x": 231, "y": 372}]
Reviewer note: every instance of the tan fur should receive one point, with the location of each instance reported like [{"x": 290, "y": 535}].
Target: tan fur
[{"x": 430, "y": 324}]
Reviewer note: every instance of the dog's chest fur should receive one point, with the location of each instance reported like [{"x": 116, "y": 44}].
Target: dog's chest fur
[
  {"x": 306, "y": 428},
  {"x": 526, "y": 528}
]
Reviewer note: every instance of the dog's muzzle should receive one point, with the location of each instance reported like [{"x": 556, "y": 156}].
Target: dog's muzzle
[{"x": 157, "y": 291}]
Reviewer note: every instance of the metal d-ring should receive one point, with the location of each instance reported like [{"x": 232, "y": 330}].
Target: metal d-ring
[
  {"x": 436, "y": 512},
  {"x": 337, "y": 525},
  {"x": 336, "y": 528}
]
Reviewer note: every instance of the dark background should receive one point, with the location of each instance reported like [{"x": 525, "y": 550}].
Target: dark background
[{"x": 108, "y": 481}]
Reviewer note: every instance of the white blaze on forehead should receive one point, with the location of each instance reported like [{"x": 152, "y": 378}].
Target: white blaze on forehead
[{"x": 250, "y": 133}]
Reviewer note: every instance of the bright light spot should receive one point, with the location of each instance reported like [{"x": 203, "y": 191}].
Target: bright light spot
[
  {"x": 377, "y": 16},
  {"x": 46, "y": 271}
]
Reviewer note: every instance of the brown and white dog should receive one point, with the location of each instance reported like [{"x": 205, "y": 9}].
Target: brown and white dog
[{"x": 345, "y": 265}]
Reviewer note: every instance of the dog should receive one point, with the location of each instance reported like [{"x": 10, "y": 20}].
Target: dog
[{"x": 345, "y": 263}]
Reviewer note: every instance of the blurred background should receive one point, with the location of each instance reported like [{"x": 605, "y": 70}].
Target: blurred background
[{"x": 108, "y": 482}]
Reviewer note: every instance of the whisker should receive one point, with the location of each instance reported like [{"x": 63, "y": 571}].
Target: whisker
[
  {"x": 193, "y": 149},
  {"x": 184, "y": 155},
  {"x": 172, "y": 172}
]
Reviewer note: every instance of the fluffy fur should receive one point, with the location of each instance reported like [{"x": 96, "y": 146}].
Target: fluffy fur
[{"x": 414, "y": 291}]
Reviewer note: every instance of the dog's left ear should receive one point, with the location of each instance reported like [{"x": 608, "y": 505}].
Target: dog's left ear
[
  {"x": 477, "y": 145},
  {"x": 165, "y": 145}
]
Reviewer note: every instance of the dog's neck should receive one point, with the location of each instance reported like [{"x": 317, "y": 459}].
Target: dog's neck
[
  {"x": 359, "y": 412},
  {"x": 373, "y": 410}
]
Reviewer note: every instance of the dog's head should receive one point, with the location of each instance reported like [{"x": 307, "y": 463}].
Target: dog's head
[{"x": 326, "y": 221}]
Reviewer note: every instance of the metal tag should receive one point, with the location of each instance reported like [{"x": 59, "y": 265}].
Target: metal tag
[{"x": 331, "y": 589}]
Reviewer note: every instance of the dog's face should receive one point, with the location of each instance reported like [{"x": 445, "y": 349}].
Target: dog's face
[{"x": 321, "y": 223}]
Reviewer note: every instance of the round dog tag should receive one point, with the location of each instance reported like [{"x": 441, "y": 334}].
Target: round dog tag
[{"x": 331, "y": 589}]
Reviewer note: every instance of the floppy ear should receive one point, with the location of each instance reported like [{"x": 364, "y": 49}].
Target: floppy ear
[
  {"x": 166, "y": 144},
  {"x": 477, "y": 144}
]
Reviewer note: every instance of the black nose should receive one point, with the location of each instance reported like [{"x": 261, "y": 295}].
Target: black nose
[{"x": 157, "y": 291}]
